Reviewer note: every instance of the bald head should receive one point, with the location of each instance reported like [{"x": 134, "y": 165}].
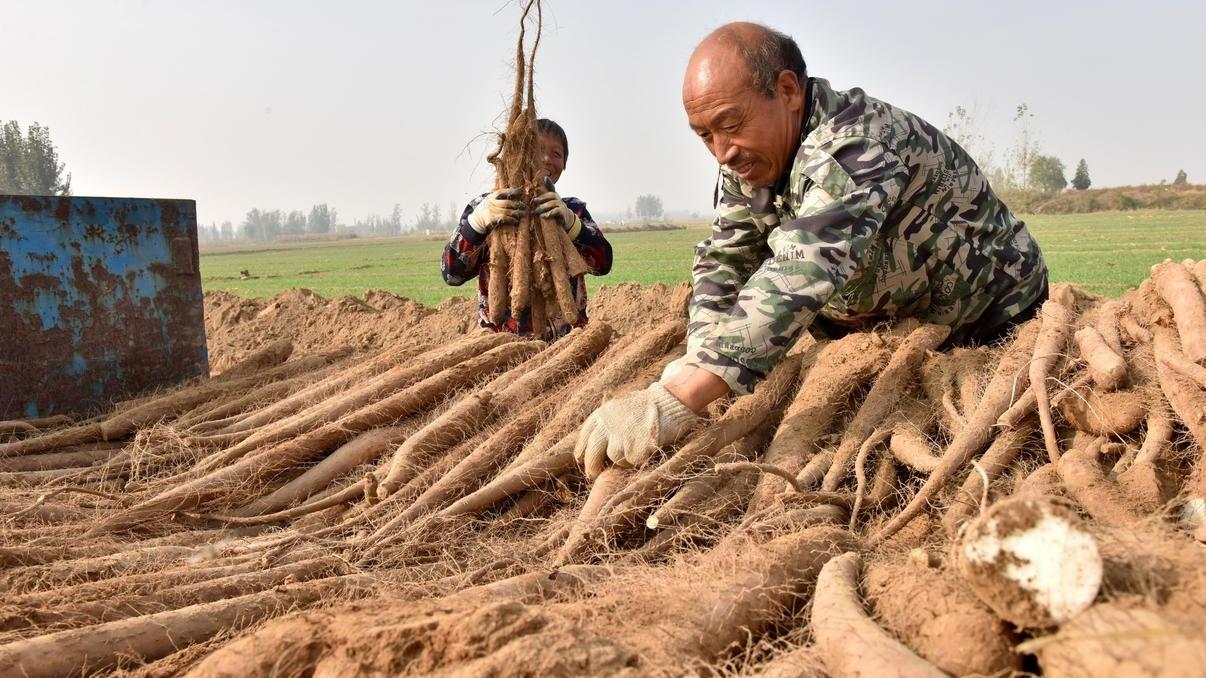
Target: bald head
[
  {"x": 744, "y": 96},
  {"x": 763, "y": 51}
]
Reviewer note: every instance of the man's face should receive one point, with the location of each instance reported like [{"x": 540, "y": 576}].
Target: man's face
[
  {"x": 552, "y": 155},
  {"x": 750, "y": 133}
]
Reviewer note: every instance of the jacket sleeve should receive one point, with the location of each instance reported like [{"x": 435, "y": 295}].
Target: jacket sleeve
[
  {"x": 852, "y": 184},
  {"x": 723, "y": 262},
  {"x": 462, "y": 259},
  {"x": 589, "y": 240}
]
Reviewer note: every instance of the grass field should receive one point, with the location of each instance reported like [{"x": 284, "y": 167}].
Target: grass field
[{"x": 1104, "y": 252}]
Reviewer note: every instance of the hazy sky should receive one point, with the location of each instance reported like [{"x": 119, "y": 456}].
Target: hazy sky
[{"x": 366, "y": 104}]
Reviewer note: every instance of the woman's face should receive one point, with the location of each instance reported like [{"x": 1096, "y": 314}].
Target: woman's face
[{"x": 552, "y": 155}]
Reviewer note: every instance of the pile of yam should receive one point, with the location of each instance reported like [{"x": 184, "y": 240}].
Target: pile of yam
[{"x": 879, "y": 505}]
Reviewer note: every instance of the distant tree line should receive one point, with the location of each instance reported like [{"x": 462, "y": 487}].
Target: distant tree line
[
  {"x": 1023, "y": 172},
  {"x": 1023, "y": 167},
  {"x": 323, "y": 220}
]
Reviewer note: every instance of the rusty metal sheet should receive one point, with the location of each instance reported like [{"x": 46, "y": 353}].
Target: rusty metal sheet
[{"x": 100, "y": 299}]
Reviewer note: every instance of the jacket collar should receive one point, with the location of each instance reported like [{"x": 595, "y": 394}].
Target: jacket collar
[{"x": 821, "y": 103}]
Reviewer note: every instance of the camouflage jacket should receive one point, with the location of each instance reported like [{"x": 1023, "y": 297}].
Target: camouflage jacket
[
  {"x": 467, "y": 256},
  {"x": 880, "y": 216}
]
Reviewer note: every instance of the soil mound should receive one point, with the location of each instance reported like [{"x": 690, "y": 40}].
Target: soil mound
[{"x": 235, "y": 326}]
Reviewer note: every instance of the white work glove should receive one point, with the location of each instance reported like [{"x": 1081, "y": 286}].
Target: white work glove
[
  {"x": 497, "y": 208},
  {"x": 549, "y": 205},
  {"x": 629, "y": 429}
]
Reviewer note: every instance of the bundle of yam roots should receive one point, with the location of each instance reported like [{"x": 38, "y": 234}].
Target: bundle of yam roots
[
  {"x": 875, "y": 507},
  {"x": 532, "y": 262}
]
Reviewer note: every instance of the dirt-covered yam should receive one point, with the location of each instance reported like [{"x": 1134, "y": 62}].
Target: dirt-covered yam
[
  {"x": 1031, "y": 560},
  {"x": 1103, "y": 414},
  {"x": 1180, "y": 291},
  {"x": 850, "y": 643},
  {"x": 1106, "y": 365},
  {"x": 933, "y": 613},
  {"x": 1112, "y": 639}
]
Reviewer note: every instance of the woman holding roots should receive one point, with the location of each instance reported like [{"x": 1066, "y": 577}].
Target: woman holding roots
[{"x": 467, "y": 254}]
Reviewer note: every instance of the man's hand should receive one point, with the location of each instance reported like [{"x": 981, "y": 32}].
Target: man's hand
[
  {"x": 549, "y": 205},
  {"x": 497, "y": 208},
  {"x": 629, "y": 429}
]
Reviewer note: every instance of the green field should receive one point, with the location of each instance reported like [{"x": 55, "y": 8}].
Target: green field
[{"x": 1104, "y": 252}]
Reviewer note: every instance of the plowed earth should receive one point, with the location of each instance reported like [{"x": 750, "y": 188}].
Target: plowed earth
[{"x": 372, "y": 487}]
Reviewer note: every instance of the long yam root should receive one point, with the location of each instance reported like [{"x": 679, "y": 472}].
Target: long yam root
[
  {"x": 838, "y": 368},
  {"x": 602, "y": 489},
  {"x": 999, "y": 457},
  {"x": 100, "y": 647},
  {"x": 359, "y": 450},
  {"x": 1106, "y": 366},
  {"x": 1048, "y": 352},
  {"x": 1188, "y": 402},
  {"x": 1085, "y": 482},
  {"x": 883, "y": 398},
  {"x": 392, "y": 381},
  {"x": 978, "y": 431},
  {"x": 913, "y": 450},
  {"x": 255, "y": 470},
  {"x": 1177, "y": 287},
  {"x": 849, "y": 642},
  {"x": 1113, "y": 639}
]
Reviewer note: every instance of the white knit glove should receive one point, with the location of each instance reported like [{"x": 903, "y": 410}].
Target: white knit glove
[
  {"x": 497, "y": 208},
  {"x": 629, "y": 429},
  {"x": 549, "y": 205}
]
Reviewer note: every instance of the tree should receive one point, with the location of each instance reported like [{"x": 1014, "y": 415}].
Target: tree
[
  {"x": 252, "y": 227},
  {"x": 370, "y": 225},
  {"x": 393, "y": 225},
  {"x": 1020, "y": 159},
  {"x": 262, "y": 224},
  {"x": 649, "y": 206},
  {"x": 454, "y": 216},
  {"x": 429, "y": 216},
  {"x": 1081, "y": 180},
  {"x": 1047, "y": 174},
  {"x": 273, "y": 224},
  {"x": 227, "y": 230},
  {"x": 295, "y": 223},
  {"x": 1182, "y": 179},
  {"x": 29, "y": 163},
  {"x": 962, "y": 128},
  {"x": 321, "y": 220}
]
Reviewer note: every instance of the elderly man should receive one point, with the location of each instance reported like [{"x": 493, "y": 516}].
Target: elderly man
[{"x": 835, "y": 211}]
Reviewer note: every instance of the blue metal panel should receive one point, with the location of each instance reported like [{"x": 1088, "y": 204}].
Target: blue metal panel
[{"x": 100, "y": 299}]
